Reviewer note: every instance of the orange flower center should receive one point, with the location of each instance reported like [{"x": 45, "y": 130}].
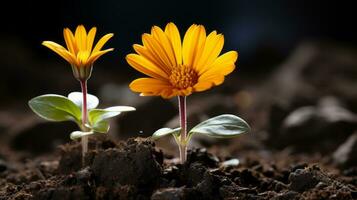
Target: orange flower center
[{"x": 183, "y": 77}]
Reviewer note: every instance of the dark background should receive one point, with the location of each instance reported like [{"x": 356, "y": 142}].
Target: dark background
[
  {"x": 247, "y": 25},
  {"x": 264, "y": 32}
]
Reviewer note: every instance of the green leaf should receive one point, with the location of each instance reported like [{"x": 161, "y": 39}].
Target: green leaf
[
  {"x": 101, "y": 126},
  {"x": 78, "y": 134},
  {"x": 97, "y": 115},
  {"x": 222, "y": 126},
  {"x": 55, "y": 108},
  {"x": 166, "y": 131},
  {"x": 77, "y": 98}
]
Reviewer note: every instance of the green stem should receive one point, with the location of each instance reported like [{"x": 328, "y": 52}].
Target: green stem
[
  {"x": 183, "y": 124},
  {"x": 84, "y": 139}
]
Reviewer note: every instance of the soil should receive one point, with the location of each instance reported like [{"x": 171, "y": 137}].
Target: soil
[{"x": 135, "y": 169}]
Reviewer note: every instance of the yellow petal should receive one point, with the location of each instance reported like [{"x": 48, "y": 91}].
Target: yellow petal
[
  {"x": 97, "y": 54},
  {"x": 168, "y": 93},
  {"x": 81, "y": 38},
  {"x": 158, "y": 51},
  {"x": 73, "y": 40},
  {"x": 68, "y": 38},
  {"x": 90, "y": 38},
  {"x": 187, "y": 40},
  {"x": 143, "y": 65},
  {"x": 199, "y": 47},
  {"x": 193, "y": 44},
  {"x": 82, "y": 57},
  {"x": 102, "y": 42},
  {"x": 208, "y": 82},
  {"x": 155, "y": 56},
  {"x": 186, "y": 92},
  {"x": 224, "y": 65},
  {"x": 60, "y": 50},
  {"x": 213, "y": 47},
  {"x": 149, "y": 85},
  {"x": 143, "y": 51},
  {"x": 174, "y": 36},
  {"x": 165, "y": 43}
]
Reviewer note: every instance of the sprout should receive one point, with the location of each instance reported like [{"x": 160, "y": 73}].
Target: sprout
[
  {"x": 58, "y": 108},
  {"x": 222, "y": 126},
  {"x": 81, "y": 53}
]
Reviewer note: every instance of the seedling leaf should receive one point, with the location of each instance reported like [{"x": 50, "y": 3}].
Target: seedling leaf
[
  {"x": 166, "y": 131},
  {"x": 222, "y": 126},
  {"x": 97, "y": 115},
  {"x": 55, "y": 107},
  {"x": 101, "y": 126},
  {"x": 77, "y": 98},
  {"x": 78, "y": 134}
]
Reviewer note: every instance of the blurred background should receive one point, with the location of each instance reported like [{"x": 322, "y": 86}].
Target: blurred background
[
  {"x": 263, "y": 33},
  {"x": 297, "y": 61}
]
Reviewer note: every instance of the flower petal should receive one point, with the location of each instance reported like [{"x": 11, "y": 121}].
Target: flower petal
[
  {"x": 149, "y": 86},
  {"x": 193, "y": 44},
  {"x": 102, "y": 42},
  {"x": 208, "y": 82},
  {"x": 97, "y": 54},
  {"x": 90, "y": 38},
  {"x": 212, "y": 48},
  {"x": 81, "y": 38},
  {"x": 174, "y": 36},
  {"x": 165, "y": 43},
  {"x": 60, "y": 50},
  {"x": 145, "y": 52},
  {"x": 69, "y": 39},
  {"x": 224, "y": 65},
  {"x": 145, "y": 66},
  {"x": 158, "y": 51}
]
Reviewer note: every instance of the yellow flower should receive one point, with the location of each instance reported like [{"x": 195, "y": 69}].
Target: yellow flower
[
  {"x": 179, "y": 69},
  {"x": 79, "y": 52}
]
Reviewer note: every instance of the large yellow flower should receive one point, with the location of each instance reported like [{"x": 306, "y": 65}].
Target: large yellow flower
[
  {"x": 79, "y": 52},
  {"x": 179, "y": 69}
]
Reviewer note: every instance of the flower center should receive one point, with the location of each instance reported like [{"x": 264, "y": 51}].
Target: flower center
[{"x": 183, "y": 77}]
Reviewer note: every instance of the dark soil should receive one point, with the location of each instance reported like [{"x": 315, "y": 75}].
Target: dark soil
[{"x": 136, "y": 170}]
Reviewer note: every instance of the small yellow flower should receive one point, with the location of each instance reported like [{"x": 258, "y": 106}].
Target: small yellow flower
[
  {"x": 179, "y": 69},
  {"x": 79, "y": 52}
]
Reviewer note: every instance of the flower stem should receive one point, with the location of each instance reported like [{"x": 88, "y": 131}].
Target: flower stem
[
  {"x": 183, "y": 124},
  {"x": 84, "y": 139}
]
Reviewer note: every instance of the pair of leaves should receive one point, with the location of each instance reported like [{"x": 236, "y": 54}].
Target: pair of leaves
[
  {"x": 60, "y": 108},
  {"x": 222, "y": 126}
]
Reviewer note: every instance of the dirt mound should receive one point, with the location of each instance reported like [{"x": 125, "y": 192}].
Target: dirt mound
[{"x": 136, "y": 170}]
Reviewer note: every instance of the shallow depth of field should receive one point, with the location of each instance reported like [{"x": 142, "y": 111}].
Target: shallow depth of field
[{"x": 295, "y": 83}]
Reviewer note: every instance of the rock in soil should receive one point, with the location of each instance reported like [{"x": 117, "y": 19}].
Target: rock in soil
[
  {"x": 346, "y": 154},
  {"x": 313, "y": 71},
  {"x": 305, "y": 179},
  {"x": 317, "y": 128}
]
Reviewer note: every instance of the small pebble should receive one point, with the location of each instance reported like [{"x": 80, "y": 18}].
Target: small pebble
[{"x": 230, "y": 163}]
